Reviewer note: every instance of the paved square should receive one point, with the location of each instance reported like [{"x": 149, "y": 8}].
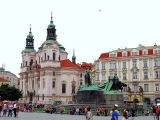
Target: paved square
[{"x": 46, "y": 116}]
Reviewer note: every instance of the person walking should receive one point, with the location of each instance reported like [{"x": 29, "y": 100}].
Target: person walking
[
  {"x": 125, "y": 116},
  {"x": 14, "y": 109},
  {"x": 114, "y": 114},
  {"x": 89, "y": 115},
  {"x": 10, "y": 108},
  {"x": 132, "y": 112},
  {"x": 4, "y": 109},
  {"x": 0, "y": 108}
]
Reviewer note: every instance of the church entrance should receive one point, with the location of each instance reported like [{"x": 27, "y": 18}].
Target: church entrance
[{"x": 135, "y": 100}]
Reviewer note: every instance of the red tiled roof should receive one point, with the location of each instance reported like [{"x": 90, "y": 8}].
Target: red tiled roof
[
  {"x": 85, "y": 65},
  {"x": 68, "y": 63},
  {"x": 3, "y": 80}
]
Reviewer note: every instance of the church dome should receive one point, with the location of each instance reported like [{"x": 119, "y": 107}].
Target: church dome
[
  {"x": 29, "y": 36},
  {"x": 51, "y": 25}
]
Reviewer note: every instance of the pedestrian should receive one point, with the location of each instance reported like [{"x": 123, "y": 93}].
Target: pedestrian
[
  {"x": 4, "y": 109},
  {"x": 132, "y": 112},
  {"x": 0, "y": 108},
  {"x": 125, "y": 116},
  {"x": 10, "y": 108},
  {"x": 14, "y": 109},
  {"x": 89, "y": 115},
  {"x": 114, "y": 114}
]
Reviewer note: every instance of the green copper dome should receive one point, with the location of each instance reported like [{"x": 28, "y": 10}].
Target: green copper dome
[
  {"x": 51, "y": 25},
  {"x": 30, "y": 36},
  {"x": 73, "y": 56}
]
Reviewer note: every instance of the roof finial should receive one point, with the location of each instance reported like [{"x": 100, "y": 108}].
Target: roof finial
[
  {"x": 51, "y": 16},
  {"x": 30, "y": 27},
  {"x": 73, "y": 51}
]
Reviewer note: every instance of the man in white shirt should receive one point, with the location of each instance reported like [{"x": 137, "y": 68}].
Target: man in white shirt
[{"x": 14, "y": 109}]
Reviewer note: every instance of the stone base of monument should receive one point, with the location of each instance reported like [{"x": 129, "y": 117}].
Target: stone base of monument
[{"x": 98, "y": 97}]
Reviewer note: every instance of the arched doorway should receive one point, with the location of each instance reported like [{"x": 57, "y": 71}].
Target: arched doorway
[
  {"x": 147, "y": 100},
  {"x": 135, "y": 100}
]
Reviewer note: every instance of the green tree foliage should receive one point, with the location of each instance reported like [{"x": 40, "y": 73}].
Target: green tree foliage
[{"x": 8, "y": 92}]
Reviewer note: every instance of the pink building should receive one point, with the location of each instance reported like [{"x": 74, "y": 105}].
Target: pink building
[{"x": 47, "y": 75}]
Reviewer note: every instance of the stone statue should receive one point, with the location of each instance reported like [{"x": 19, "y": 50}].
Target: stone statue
[
  {"x": 140, "y": 89},
  {"x": 129, "y": 90},
  {"x": 87, "y": 77}
]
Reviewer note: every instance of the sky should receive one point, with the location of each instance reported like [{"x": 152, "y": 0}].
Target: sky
[{"x": 80, "y": 25}]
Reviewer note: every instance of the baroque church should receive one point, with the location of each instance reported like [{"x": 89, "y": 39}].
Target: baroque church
[{"x": 47, "y": 75}]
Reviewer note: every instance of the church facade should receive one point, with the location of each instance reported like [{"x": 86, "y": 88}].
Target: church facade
[{"x": 47, "y": 75}]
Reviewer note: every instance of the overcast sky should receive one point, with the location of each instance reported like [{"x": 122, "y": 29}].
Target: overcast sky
[{"x": 79, "y": 24}]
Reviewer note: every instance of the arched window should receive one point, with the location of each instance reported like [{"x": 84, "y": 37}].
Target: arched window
[
  {"x": 73, "y": 88},
  {"x": 45, "y": 56},
  {"x": 26, "y": 63},
  {"x": 81, "y": 75},
  {"x": 43, "y": 97},
  {"x": 48, "y": 57},
  {"x": 53, "y": 73},
  {"x": 31, "y": 62},
  {"x": 54, "y": 56},
  {"x": 38, "y": 97},
  {"x": 63, "y": 88}
]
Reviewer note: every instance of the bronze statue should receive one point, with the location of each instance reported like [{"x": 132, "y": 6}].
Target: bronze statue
[
  {"x": 129, "y": 89},
  {"x": 87, "y": 77}
]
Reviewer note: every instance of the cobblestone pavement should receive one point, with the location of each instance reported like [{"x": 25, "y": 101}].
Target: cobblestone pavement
[{"x": 45, "y": 116}]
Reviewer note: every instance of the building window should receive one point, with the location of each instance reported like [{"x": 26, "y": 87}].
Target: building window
[
  {"x": 22, "y": 85},
  {"x": 112, "y": 55},
  {"x": 144, "y": 52},
  {"x": 124, "y": 76},
  {"x": 63, "y": 88},
  {"x": 146, "y": 87},
  {"x": 124, "y": 64},
  {"x": 124, "y": 89},
  {"x": 157, "y": 87},
  {"x": 134, "y": 75},
  {"x": 157, "y": 74},
  {"x": 103, "y": 66},
  {"x": 53, "y": 73},
  {"x": 134, "y": 53},
  {"x": 156, "y": 51},
  {"x": 53, "y": 84},
  {"x": 54, "y": 56},
  {"x": 145, "y": 63},
  {"x": 156, "y": 62},
  {"x": 145, "y": 75},
  {"x": 39, "y": 60},
  {"x": 26, "y": 63},
  {"x": 97, "y": 76},
  {"x": 43, "y": 97},
  {"x": 135, "y": 87},
  {"x": 103, "y": 76},
  {"x": 112, "y": 65},
  {"x": 112, "y": 74},
  {"x": 97, "y": 66},
  {"x": 48, "y": 57},
  {"x": 81, "y": 75},
  {"x": 134, "y": 64},
  {"x": 124, "y": 54},
  {"x": 44, "y": 56}
]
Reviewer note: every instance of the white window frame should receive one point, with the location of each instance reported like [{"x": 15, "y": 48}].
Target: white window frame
[
  {"x": 124, "y": 54},
  {"x": 113, "y": 65},
  {"x": 146, "y": 87},
  {"x": 134, "y": 64},
  {"x": 124, "y": 89},
  {"x": 157, "y": 87},
  {"x": 135, "y": 87},
  {"x": 145, "y": 75},
  {"x": 103, "y": 66},
  {"x": 112, "y": 55},
  {"x": 135, "y": 76},
  {"x": 134, "y": 53},
  {"x": 124, "y": 64},
  {"x": 145, "y": 63},
  {"x": 103, "y": 76},
  {"x": 124, "y": 76},
  {"x": 145, "y": 52},
  {"x": 97, "y": 76}
]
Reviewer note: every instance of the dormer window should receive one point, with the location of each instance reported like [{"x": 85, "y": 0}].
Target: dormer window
[
  {"x": 112, "y": 55},
  {"x": 134, "y": 53},
  {"x": 144, "y": 52},
  {"x": 124, "y": 54},
  {"x": 156, "y": 51}
]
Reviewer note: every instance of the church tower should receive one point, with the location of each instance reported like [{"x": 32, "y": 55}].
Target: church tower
[
  {"x": 29, "y": 40},
  {"x": 74, "y": 57},
  {"x": 51, "y": 31}
]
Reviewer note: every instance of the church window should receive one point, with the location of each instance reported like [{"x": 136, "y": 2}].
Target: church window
[
  {"x": 30, "y": 43},
  {"x": 53, "y": 84},
  {"x": 48, "y": 57},
  {"x": 81, "y": 75},
  {"x": 54, "y": 56},
  {"x": 45, "y": 56},
  {"x": 53, "y": 73},
  {"x": 63, "y": 88},
  {"x": 32, "y": 84},
  {"x": 73, "y": 88},
  {"x": 59, "y": 57},
  {"x": 39, "y": 60},
  {"x": 43, "y": 97},
  {"x": 26, "y": 63}
]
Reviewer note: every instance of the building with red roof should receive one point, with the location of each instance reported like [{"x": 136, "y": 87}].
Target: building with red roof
[
  {"x": 48, "y": 75},
  {"x": 138, "y": 67},
  {"x": 4, "y": 81}
]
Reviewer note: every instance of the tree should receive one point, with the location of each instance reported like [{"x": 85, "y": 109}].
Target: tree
[{"x": 9, "y": 92}]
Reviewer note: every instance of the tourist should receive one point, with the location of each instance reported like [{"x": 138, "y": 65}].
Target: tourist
[
  {"x": 89, "y": 115},
  {"x": 125, "y": 116},
  {"x": 114, "y": 114},
  {"x": 157, "y": 113},
  {"x": 10, "y": 108},
  {"x": 61, "y": 110},
  {"x": 4, "y": 109},
  {"x": 98, "y": 111},
  {"x": 0, "y": 108},
  {"x": 14, "y": 109},
  {"x": 154, "y": 111},
  {"x": 17, "y": 109},
  {"x": 132, "y": 112}
]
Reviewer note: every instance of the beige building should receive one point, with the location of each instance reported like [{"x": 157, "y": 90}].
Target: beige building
[
  {"x": 12, "y": 78},
  {"x": 134, "y": 66}
]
